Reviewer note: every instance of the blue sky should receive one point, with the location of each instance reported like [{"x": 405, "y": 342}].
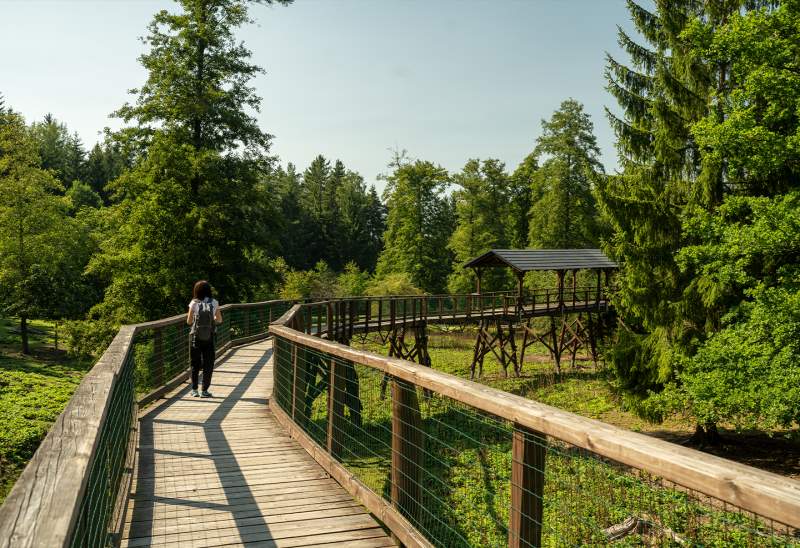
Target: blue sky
[{"x": 448, "y": 80}]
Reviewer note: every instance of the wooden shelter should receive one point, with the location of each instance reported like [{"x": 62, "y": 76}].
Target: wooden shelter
[
  {"x": 574, "y": 319},
  {"x": 559, "y": 261}
]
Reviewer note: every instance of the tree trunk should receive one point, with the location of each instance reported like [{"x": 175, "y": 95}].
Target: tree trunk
[
  {"x": 706, "y": 436},
  {"x": 23, "y": 329}
]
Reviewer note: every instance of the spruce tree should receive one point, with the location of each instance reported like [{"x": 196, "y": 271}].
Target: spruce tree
[{"x": 664, "y": 90}]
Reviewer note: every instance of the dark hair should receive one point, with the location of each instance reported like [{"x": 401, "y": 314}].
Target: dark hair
[{"x": 202, "y": 290}]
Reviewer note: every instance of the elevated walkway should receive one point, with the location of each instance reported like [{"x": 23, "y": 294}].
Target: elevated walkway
[{"x": 223, "y": 472}]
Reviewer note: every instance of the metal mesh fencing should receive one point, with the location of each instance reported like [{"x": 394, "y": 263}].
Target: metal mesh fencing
[
  {"x": 465, "y": 477},
  {"x": 99, "y": 503}
]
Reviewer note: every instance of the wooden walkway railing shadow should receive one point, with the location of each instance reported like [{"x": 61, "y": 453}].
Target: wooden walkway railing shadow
[{"x": 220, "y": 471}]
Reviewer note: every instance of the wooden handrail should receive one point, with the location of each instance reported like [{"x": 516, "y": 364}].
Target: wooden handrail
[{"x": 763, "y": 493}]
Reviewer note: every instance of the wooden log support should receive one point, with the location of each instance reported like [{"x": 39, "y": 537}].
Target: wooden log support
[
  {"x": 528, "y": 456},
  {"x": 352, "y": 392},
  {"x": 158, "y": 357},
  {"x": 407, "y": 450}
]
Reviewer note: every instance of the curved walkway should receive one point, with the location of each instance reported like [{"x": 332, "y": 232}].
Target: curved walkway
[{"x": 222, "y": 472}]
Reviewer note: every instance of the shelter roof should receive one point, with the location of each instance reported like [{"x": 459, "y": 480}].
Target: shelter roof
[{"x": 527, "y": 260}]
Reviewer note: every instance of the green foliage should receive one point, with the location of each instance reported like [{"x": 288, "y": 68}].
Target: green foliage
[
  {"x": 197, "y": 85},
  {"x": 319, "y": 283},
  {"x": 746, "y": 371},
  {"x": 88, "y": 338},
  {"x": 482, "y": 208},
  {"x": 32, "y": 395},
  {"x": 520, "y": 184},
  {"x": 352, "y": 282},
  {"x": 58, "y": 151},
  {"x": 705, "y": 216},
  {"x": 42, "y": 251},
  {"x": 104, "y": 164},
  {"x": 563, "y": 213},
  {"x": 419, "y": 223},
  {"x": 666, "y": 88},
  {"x": 329, "y": 215},
  {"x": 395, "y": 283},
  {"x": 81, "y": 195},
  {"x": 196, "y": 205}
]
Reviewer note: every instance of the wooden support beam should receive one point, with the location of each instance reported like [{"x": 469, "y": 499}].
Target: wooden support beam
[
  {"x": 560, "y": 275},
  {"x": 407, "y": 450},
  {"x": 599, "y": 275},
  {"x": 528, "y": 456}
]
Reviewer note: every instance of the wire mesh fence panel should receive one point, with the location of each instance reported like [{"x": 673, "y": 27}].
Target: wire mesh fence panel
[
  {"x": 465, "y": 477},
  {"x": 106, "y": 469}
]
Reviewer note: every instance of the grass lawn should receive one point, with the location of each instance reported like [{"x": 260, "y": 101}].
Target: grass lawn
[{"x": 33, "y": 391}]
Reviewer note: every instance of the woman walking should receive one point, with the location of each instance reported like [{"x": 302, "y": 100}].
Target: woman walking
[{"x": 204, "y": 315}]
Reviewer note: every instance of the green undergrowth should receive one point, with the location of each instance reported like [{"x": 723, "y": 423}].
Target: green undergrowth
[{"x": 33, "y": 392}]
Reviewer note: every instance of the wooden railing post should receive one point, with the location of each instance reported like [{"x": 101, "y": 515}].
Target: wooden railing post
[
  {"x": 336, "y": 395},
  {"x": 158, "y": 357},
  {"x": 528, "y": 453},
  {"x": 329, "y": 321},
  {"x": 407, "y": 453},
  {"x": 353, "y": 311}
]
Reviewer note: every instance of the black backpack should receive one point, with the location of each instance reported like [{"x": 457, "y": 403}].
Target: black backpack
[{"x": 203, "y": 327}]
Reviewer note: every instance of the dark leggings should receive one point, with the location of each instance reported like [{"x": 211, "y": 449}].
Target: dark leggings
[{"x": 202, "y": 354}]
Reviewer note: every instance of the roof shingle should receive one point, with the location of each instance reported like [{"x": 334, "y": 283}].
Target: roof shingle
[{"x": 526, "y": 260}]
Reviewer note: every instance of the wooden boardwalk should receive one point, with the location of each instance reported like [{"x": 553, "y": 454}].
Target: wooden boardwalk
[{"x": 222, "y": 472}]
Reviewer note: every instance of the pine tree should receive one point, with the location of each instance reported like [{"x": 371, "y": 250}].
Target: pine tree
[
  {"x": 563, "y": 210},
  {"x": 482, "y": 208}
]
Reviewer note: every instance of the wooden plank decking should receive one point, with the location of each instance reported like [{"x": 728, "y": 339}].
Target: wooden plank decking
[{"x": 222, "y": 472}]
